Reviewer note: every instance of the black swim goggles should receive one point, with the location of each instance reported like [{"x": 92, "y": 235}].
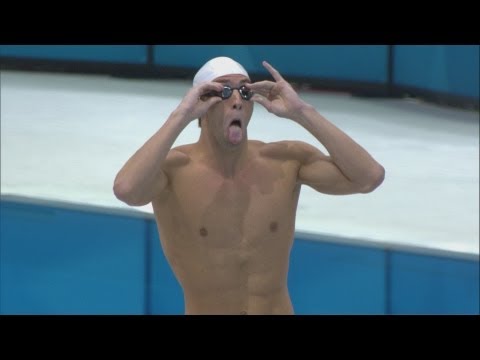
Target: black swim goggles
[{"x": 227, "y": 92}]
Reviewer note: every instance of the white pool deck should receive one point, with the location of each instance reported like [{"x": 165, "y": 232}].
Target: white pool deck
[{"x": 64, "y": 137}]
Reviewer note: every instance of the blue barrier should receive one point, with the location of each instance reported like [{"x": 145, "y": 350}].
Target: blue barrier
[
  {"x": 452, "y": 69},
  {"x": 446, "y": 69},
  {"x": 62, "y": 259},
  {"x": 133, "y": 54}
]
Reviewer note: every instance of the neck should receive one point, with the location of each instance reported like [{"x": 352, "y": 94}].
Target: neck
[{"x": 227, "y": 159}]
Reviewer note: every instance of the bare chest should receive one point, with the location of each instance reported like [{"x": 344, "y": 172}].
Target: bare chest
[{"x": 257, "y": 205}]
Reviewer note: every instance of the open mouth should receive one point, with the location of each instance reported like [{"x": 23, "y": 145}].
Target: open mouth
[{"x": 236, "y": 122}]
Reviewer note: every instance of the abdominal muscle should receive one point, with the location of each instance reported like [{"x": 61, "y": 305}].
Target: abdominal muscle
[
  {"x": 234, "y": 282},
  {"x": 232, "y": 275},
  {"x": 238, "y": 302}
]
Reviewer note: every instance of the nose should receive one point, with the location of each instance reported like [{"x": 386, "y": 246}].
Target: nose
[{"x": 237, "y": 100}]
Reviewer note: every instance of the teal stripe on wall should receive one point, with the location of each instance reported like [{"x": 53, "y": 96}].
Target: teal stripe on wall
[
  {"x": 346, "y": 62},
  {"x": 451, "y": 69},
  {"x": 133, "y": 54}
]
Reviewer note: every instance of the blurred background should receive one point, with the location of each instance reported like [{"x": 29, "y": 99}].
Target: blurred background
[{"x": 71, "y": 115}]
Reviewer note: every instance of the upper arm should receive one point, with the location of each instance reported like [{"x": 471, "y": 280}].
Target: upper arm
[
  {"x": 174, "y": 160},
  {"x": 318, "y": 171},
  {"x": 160, "y": 183}
]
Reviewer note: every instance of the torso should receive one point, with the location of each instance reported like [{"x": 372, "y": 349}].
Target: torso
[{"x": 228, "y": 240}]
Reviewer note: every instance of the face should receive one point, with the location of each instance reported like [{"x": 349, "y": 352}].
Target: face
[{"x": 228, "y": 119}]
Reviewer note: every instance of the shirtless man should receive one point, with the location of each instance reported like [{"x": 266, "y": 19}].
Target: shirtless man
[{"x": 225, "y": 206}]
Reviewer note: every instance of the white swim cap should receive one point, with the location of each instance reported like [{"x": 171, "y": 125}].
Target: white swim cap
[{"x": 217, "y": 67}]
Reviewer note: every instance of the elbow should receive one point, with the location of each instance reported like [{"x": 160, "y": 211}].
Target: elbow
[
  {"x": 377, "y": 177},
  {"x": 124, "y": 192}
]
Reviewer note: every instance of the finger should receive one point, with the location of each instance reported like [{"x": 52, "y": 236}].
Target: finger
[
  {"x": 263, "y": 87},
  {"x": 210, "y": 86},
  {"x": 262, "y": 92},
  {"x": 275, "y": 74},
  {"x": 259, "y": 85},
  {"x": 208, "y": 96},
  {"x": 209, "y": 90},
  {"x": 213, "y": 100}
]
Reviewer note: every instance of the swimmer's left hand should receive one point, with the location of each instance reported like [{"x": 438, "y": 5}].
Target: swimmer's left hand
[{"x": 277, "y": 97}]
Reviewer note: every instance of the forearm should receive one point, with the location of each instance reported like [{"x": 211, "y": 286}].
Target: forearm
[
  {"x": 352, "y": 159},
  {"x": 143, "y": 173}
]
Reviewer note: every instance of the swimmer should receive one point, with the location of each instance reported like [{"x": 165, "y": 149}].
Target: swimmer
[{"x": 225, "y": 206}]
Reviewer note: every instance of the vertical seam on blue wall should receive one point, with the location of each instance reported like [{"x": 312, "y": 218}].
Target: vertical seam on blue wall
[
  {"x": 150, "y": 60},
  {"x": 390, "y": 69},
  {"x": 388, "y": 283},
  {"x": 148, "y": 262}
]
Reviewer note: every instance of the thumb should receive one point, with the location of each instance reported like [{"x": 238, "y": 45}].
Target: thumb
[{"x": 213, "y": 100}]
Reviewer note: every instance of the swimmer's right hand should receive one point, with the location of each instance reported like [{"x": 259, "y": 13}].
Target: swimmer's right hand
[{"x": 199, "y": 99}]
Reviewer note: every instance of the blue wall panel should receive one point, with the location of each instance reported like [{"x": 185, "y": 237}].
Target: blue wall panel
[
  {"x": 434, "y": 285},
  {"x": 345, "y": 62},
  {"x": 341, "y": 62},
  {"x": 56, "y": 261},
  {"x": 336, "y": 279},
  {"x": 166, "y": 295},
  {"x": 59, "y": 261},
  {"x": 135, "y": 54},
  {"x": 452, "y": 69}
]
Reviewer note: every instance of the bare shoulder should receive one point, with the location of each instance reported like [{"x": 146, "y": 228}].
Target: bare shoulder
[
  {"x": 290, "y": 150},
  {"x": 178, "y": 156}
]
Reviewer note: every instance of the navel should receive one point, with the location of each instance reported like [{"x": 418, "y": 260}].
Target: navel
[
  {"x": 273, "y": 226},
  {"x": 203, "y": 232}
]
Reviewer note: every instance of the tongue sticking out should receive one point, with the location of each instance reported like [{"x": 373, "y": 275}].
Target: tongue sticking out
[{"x": 235, "y": 133}]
